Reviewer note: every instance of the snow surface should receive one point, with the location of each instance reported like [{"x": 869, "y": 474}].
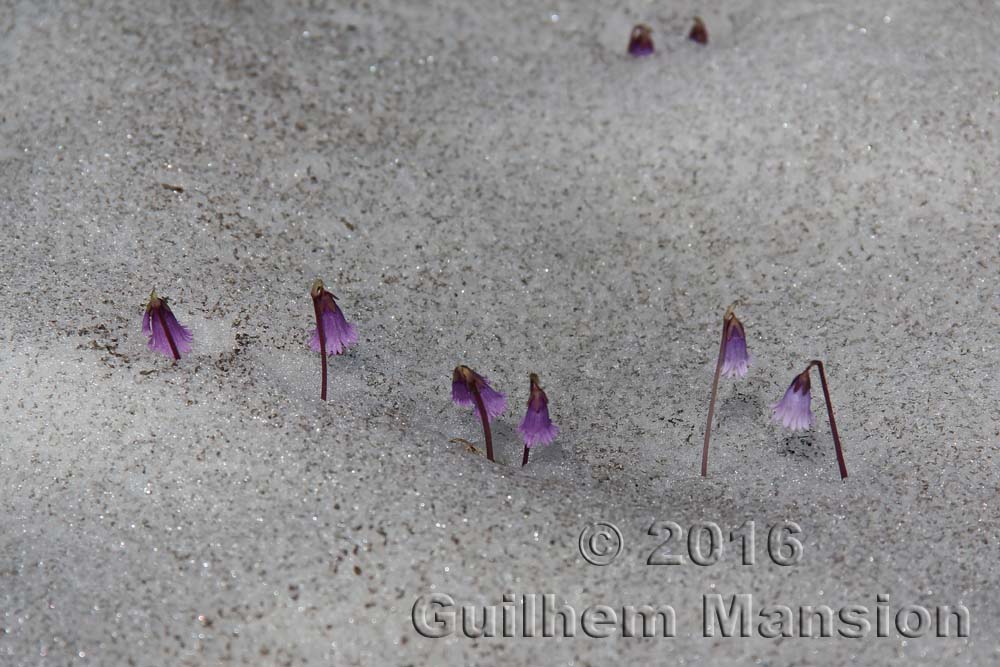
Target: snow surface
[{"x": 495, "y": 184}]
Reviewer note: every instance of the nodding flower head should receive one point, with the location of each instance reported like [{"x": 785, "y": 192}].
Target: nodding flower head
[
  {"x": 794, "y": 410},
  {"x": 699, "y": 33},
  {"x": 536, "y": 427},
  {"x": 338, "y": 333},
  {"x": 735, "y": 358},
  {"x": 465, "y": 383},
  {"x": 166, "y": 334},
  {"x": 640, "y": 42}
]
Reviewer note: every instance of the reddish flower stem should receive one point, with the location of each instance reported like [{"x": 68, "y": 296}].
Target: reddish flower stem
[
  {"x": 715, "y": 390},
  {"x": 524, "y": 459},
  {"x": 486, "y": 421},
  {"x": 833, "y": 423},
  {"x": 322, "y": 344},
  {"x": 166, "y": 331}
]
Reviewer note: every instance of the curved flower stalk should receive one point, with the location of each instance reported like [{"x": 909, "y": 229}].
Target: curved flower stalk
[
  {"x": 470, "y": 388},
  {"x": 333, "y": 334},
  {"x": 640, "y": 42},
  {"x": 536, "y": 428},
  {"x": 794, "y": 410},
  {"x": 166, "y": 335},
  {"x": 734, "y": 360}
]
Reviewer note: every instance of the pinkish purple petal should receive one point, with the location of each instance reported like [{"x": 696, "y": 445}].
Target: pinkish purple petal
[
  {"x": 180, "y": 333},
  {"x": 462, "y": 382},
  {"x": 640, "y": 48},
  {"x": 156, "y": 322},
  {"x": 494, "y": 401},
  {"x": 460, "y": 393},
  {"x": 793, "y": 411},
  {"x": 536, "y": 427},
  {"x": 736, "y": 359},
  {"x": 339, "y": 333}
]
